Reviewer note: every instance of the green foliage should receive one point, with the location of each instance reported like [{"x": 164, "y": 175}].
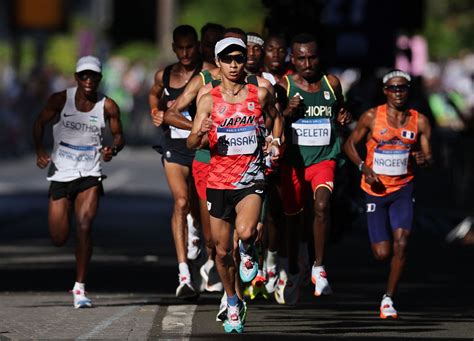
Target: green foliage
[
  {"x": 61, "y": 53},
  {"x": 449, "y": 27},
  {"x": 248, "y": 15},
  {"x": 134, "y": 51}
]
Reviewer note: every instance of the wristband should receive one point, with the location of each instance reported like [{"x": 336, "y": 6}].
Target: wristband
[
  {"x": 360, "y": 165},
  {"x": 277, "y": 140}
]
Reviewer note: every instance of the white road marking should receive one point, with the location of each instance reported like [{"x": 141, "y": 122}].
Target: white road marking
[
  {"x": 178, "y": 320},
  {"x": 104, "y": 324}
]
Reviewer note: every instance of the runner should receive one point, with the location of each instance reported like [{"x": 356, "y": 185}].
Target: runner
[
  {"x": 210, "y": 34},
  {"x": 81, "y": 113},
  {"x": 393, "y": 134},
  {"x": 313, "y": 106},
  {"x": 177, "y": 159},
  {"x": 235, "y": 186},
  {"x": 274, "y": 65},
  {"x": 254, "y": 53}
]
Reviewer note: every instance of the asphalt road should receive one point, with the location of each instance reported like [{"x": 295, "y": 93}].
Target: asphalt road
[{"x": 133, "y": 273}]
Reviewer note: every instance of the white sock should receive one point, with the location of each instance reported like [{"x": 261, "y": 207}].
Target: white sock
[
  {"x": 192, "y": 230},
  {"x": 271, "y": 258},
  {"x": 183, "y": 269},
  {"x": 79, "y": 286}
]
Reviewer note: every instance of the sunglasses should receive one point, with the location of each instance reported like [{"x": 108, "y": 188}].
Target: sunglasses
[
  {"x": 397, "y": 87},
  {"x": 238, "y": 58},
  {"x": 93, "y": 76}
]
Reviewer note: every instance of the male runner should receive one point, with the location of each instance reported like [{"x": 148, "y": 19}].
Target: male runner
[
  {"x": 274, "y": 66},
  {"x": 177, "y": 159},
  {"x": 394, "y": 133},
  {"x": 314, "y": 106},
  {"x": 80, "y": 115},
  {"x": 210, "y": 34},
  {"x": 231, "y": 114},
  {"x": 254, "y": 53}
]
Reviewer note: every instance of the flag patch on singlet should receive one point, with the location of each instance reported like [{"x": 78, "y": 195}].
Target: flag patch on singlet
[
  {"x": 327, "y": 95},
  {"x": 251, "y": 106},
  {"x": 93, "y": 119},
  {"x": 410, "y": 135}
]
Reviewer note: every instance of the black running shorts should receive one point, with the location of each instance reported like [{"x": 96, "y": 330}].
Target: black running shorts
[
  {"x": 71, "y": 189},
  {"x": 221, "y": 202}
]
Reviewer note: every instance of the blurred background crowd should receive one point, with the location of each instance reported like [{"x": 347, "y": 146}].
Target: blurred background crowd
[{"x": 40, "y": 41}]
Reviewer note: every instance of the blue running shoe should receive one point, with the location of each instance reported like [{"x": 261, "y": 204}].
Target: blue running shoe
[
  {"x": 234, "y": 322},
  {"x": 248, "y": 267}
]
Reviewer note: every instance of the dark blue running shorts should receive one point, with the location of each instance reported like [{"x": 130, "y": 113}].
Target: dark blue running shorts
[{"x": 389, "y": 212}]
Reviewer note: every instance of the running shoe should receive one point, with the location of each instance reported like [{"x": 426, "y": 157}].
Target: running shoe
[
  {"x": 460, "y": 231},
  {"x": 235, "y": 318},
  {"x": 386, "y": 308},
  {"x": 248, "y": 267},
  {"x": 272, "y": 279},
  {"x": 320, "y": 281},
  {"x": 222, "y": 313},
  {"x": 280, "y": 288},
  {"x": 291, "y": 292},
  {"x": 194, "y": 242},
  {"x": 80, "y": 299},
  {"x": 210, "y": 277},
  {"x": 257, "y": 288},
  {"x": 185, "y": 288}
]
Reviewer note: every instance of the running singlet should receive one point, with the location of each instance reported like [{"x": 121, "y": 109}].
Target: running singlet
[
  {"x": 312, "y": 134},
  {"x": 388, "y": 153},
  {"x": 203, "y": 154},
  {"x": 77, "y": 141},
  {"x": 175, "y": 138},
  {"x": 236, "y": 141}
]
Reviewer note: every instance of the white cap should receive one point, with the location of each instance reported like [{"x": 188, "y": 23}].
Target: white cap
[
  {"x": 89, "y": 63},
  {"x": 222, "y": 44}
]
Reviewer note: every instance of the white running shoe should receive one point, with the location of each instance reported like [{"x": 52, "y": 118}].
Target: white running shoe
[
  {"x": 222, "y": 313},
  {"x": 280, "y": 288},
  {"x": 319, "y": 278},
  {"x": 272, "y": 279},
  {"x": 291, "y": 292},
  {"x": 387, "y": 309},
  {"x": 248, "y": 267},
  {"x": 80, "y": 299},
  {"x": 185, "y": 288},
  {"x": 194, "y": 241},
  {"x": 210, "y": 277},
  {"x": 460, "y": 231}
]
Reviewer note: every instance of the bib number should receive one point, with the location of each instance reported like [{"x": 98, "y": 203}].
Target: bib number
[
  {"x": 311, "y": 132},
  {"x": 236, "y": 141},
  {"x": 390, "y": 162},
  {"x": 177, "y": 133},
  {"x": 82, "y": 158}
]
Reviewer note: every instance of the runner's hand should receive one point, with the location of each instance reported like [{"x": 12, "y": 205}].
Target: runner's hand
[
  {"x": 42, "y": 158},
  {"x": 370, "y": 176},
  {"x": 293, "y": 105},
  {"x": 157, "y": 117},
  {"x": 205, "y": 127},
  {"x": 420, "y": 158},
  {"x": 344, "y": 117},
  {"x": 106, "y": 153}
]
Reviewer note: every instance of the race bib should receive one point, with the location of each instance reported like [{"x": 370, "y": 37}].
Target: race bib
[
  {"x": 82, "y": 158},
  {"x": 236, "y": 141},
  {"x": 177, "y": 133},
  {"x": 312, "y": 132},
  {"x": 390, "y": 162}
]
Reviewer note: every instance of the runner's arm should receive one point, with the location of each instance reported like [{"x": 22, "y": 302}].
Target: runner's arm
[
  {"x": 343, "y": 116},
  {"x": 52, "y": 110},
  {"x": 112, "y": 116},
  {"x": 154, "y": 95},
  {"x": 173, "y": 115},
  {"x": 201, "y": 124},
  {"x": 424, "y": 157},
  {"x": 363, "y": 127}
]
